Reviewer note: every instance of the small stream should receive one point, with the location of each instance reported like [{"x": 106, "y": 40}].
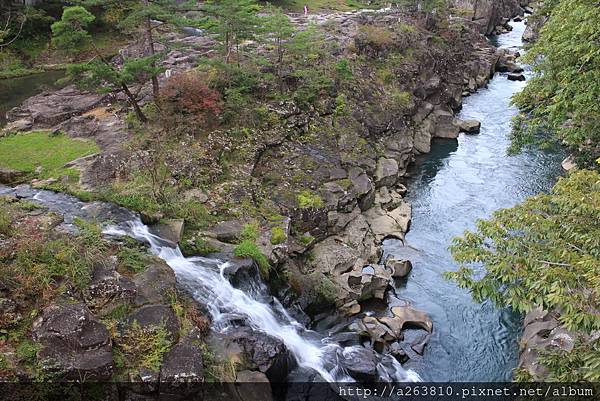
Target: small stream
[{"x": 451, "y": 187}]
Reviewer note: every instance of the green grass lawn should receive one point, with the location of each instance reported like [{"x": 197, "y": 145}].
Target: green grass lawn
[{"x": 26, "y": 152}]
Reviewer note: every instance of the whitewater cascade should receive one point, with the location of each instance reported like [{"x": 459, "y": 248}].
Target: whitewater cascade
[{"x": 206, "y": 281}]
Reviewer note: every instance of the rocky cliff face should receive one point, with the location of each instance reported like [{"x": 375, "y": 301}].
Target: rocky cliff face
[
  {"x": 350, "y": 152},
  {"x": 490, "y": 15}
]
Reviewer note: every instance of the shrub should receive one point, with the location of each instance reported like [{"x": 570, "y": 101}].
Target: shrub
[
  {"x": 188, "y": 93},
  {"x": 5, "y": 222},
  {"x": 27, "y": 352},
  {"x": 248, "y": 249},
  {"x": 143, "y": 347},
  {"x": 308, "y": 199},
  {"x": 132, "y": 259},
  {"x": 250, "y": 232},
  {"x": 278, "y": 235},
  {"x": 402, "y": 99},
  {"x": 306, "y": 239},
  {"x": 326, "y": 290},
  {"x": 343, "y": 70},
  {"x": 377, "y": 37}
]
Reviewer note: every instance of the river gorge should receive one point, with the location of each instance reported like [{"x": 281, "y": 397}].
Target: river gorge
[
  {"x": 389, "y": 173},
  {"x": 450, "y": 188}
]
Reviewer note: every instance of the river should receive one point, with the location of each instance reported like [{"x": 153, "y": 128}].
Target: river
[{"x": 451, "y": 188}]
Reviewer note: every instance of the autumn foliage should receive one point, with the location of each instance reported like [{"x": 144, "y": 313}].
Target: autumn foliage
[{"x": 187, "y": 94}]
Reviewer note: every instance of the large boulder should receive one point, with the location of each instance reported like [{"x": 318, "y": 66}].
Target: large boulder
[
  {"x": 446, "y": 126},
  {"x": 362, "y": 188},
  {"x": 264, "y": 353},
  {"x": 74, "y": 343},
  {"x": 408, "y": 315},
  {"x": 51, "y": 108},
  {"x": 389, "y": 224},
  {"x": 377, "y": 331},
  {"x": 152, "y": 316},
  {"x": 182, "y": 369},
  {"x": 469, "y": 126},
  {"x": 422, "y": 140},
  {"x": 399, "y": 268},
  {"x": 108, "y": 289},
  {"x": 360, "y": 363},
  {"x": 9, "y": 176},
  {"x": 227, "y": 231},
  {"x": 253, "y": 386},
  {"x": 389, "y": 199},
  {"x": 386, "y": 173},
  {"x": 543, "y": 332},
  {"x": 490, "y": 14},
  {"x": 154, "y": 284},
  {"x": 170, "y": 230},
  {"x": 516, "y": 77}
]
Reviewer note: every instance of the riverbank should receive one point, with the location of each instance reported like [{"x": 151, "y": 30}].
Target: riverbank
[
  {"x": 452, "y": 187},
  {"x": 327, "y": 177}
]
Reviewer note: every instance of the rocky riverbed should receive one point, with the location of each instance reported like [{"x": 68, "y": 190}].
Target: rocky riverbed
[{"x": 337, "y": 281}]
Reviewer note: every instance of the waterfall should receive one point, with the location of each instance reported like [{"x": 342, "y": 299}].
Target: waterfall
[{"x": 208, "y": 284}]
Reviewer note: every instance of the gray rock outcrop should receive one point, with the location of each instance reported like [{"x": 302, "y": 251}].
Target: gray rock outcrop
[{"x": 74, "y": 342}]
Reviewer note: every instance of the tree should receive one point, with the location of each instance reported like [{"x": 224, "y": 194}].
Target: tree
[
  {"x": 277, "y": 31},
  {"x": 561, "y": 101},
  {"x": 12, "y": 22},
  {"x": 544, "y": 252},
  {"x": 233, "y": 21},
  {"x": 99, "y": 74},
  {"x": 143, "y": 17}
]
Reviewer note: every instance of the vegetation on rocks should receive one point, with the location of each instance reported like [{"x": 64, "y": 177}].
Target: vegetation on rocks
[{"x": 297, "y": 128}]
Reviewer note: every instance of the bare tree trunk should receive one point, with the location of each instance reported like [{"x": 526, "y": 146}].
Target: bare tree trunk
[
  {"x": 133, "y": 101},
  {"x": 150, "y": 40}
]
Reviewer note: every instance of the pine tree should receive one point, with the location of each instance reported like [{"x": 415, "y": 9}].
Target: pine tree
[
  {"x": 233, "y": 21},
  {"x": 99, "y": 74}
]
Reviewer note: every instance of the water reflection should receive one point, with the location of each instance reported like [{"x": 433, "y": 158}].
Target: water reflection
[{"x": 14, "y": 91}]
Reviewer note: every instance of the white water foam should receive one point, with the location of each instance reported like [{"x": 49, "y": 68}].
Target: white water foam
[{"x": 206, "y": 280}]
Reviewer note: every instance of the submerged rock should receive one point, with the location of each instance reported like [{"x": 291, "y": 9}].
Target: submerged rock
[{"x": 515, "y": 77}]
